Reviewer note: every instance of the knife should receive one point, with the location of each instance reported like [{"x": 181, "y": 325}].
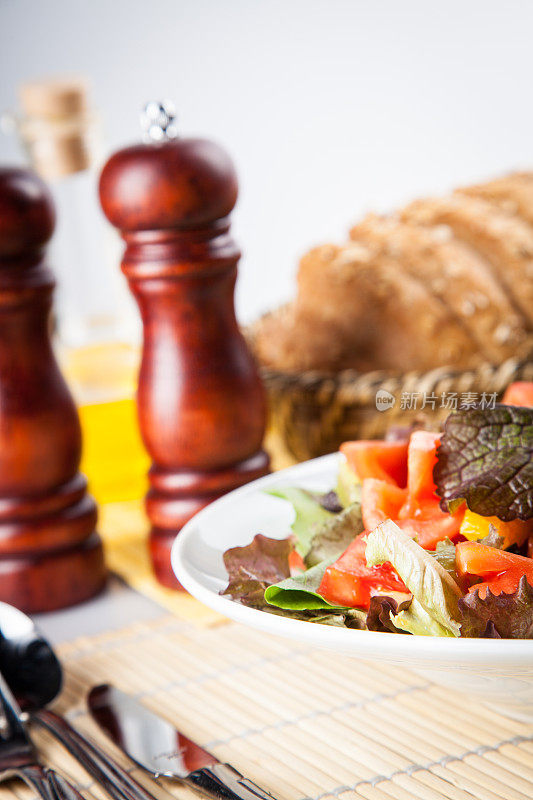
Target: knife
[{"x": 156, "y": 746}]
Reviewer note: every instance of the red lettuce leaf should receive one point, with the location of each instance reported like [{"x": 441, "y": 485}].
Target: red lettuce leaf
[
  {"x": 378, "y": 617},
  {"x": 254, "y": 567},
  {"x": 486, "y": 457},
  {"x": 505, "y": 616}
]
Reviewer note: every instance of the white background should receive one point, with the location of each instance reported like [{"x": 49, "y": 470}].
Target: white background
[{"x": 328, "y": 107}]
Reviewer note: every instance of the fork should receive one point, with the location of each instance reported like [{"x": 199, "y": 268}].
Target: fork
[{"x": 18, "y": 757}]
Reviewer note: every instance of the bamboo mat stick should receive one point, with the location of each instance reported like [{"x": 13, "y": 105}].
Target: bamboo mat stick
[
  {"x": 443, "y": 788},
  {"x": 300, "y": 727},
  {"x": 467, "y": 778}
]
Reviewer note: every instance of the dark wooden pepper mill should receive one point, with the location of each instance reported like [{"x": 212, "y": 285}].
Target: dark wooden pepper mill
[
  {"x": 50, "y": 556},
  {"x": 201, "y": 403}
]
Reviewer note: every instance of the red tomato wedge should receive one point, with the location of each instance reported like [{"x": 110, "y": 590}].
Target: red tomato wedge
[
  {"x": 380, "y": 500},
  {"x": 421, "y": 458},
  {"x": 474, "y": 558},
  {"x": 350, "y": 582},
  {"x": 296, "y": 562},
  {"x": 433, "y": 528},
  {"x": 421, "y": 515},
  {"x": 502, "y": 570},
  {"x": 415, "y": 509},
  {"x": 519, "y": 393},
  {"x": 507, "y": 583},
  {"x": 386, "y": 461}
]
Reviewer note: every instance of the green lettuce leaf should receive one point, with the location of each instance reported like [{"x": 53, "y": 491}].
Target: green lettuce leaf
[
  {"x": 348, "y": 485},
  {"x": 506, "y": 616},
  {"x": 350, "y": 618},
  {"x": 254, "y": 567},
  {"x": 309, "y": 515},
  {"x": 427, "y": 580},
  {"x": 301, "y": 591},
  {"x": 298, "y": 595},
  {"x": 320, "y": 534},
  {"x": 486, "y": 457},
  {"x": 444, "y": 553},
  {"x": 332, "y": 537},
  {"x": 418, "y": 621}
]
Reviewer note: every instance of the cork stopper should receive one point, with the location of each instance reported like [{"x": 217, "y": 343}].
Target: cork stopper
[
  {"x": 55, "y": 98},
  {"x": 57, "y": 126}
]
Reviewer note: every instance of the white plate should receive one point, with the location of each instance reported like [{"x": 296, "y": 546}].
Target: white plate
[{"x": 500, "y": 670}]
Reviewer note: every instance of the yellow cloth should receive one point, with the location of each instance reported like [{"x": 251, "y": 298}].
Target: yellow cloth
[{"x": 124, "y": 530}]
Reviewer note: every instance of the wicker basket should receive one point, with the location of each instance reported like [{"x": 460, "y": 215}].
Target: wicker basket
[{"x": 311, "y": 413}]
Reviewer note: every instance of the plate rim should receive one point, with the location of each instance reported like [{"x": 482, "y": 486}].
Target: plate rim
[{"x": 448, "y": 650}]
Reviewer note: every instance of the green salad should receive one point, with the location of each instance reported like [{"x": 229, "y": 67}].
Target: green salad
[{"x": 428, "y": 534}]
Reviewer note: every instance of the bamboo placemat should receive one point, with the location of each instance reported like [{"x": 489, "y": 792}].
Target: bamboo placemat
[{"x": 302, "y": 722}]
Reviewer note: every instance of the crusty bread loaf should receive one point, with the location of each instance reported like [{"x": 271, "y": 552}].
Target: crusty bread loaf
[
  {"x": 355, "y": 309},
  {"x": 444, "y": 282},
  {"x": 512, "y": 193},
  {"x": 452, "y": 271},
  {"x": 504, "y": 239}
]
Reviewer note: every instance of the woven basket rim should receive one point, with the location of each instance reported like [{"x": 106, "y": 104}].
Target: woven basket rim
[{"x": 351, "y": 383}]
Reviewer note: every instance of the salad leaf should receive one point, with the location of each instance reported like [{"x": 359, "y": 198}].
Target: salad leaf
[
  {"x": 506, "y": 616},
  {"x": 254, "y": 567},
  {"x": 301, "y": 591},
  {"x": 332, "y": 537},
  {"x": 309, "y": 514},
  {"x": 383, "y": 608},
  {"x": 350, "y": 618},
  {"x": 486, "y": 457},
  {"x": 418, "y": 621},
  {"x": 348, "y": 485},
  {"x": 320, "y": 534},
  {"x": 444, "y": 553},
  {"x": 299, "y": 596},
  {"x": 493, "y": 538},
  {"x": 427, "y": 580},
  {"x": 330, "y": 501}
]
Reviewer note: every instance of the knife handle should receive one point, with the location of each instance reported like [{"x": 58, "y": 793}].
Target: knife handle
[
  {"x": 116, "y": 781},
  {"x": 224, "y": 782}
]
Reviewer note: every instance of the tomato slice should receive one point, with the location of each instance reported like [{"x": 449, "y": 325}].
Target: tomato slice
[
  {"x": 507, "y": 583},
  {"x": 380, "y": 500},
  {"x": 386, "y": 461},
  {"x": 423, "y": 520},
  {"x": 421, "y": 458},
  {"x": 350, "y": 582},
  {"x": 296, "y": 563},
  {"x": 519, "y": 393},
  {"x": 473, "y": 558},
  {"x": 432, "y": 528}
]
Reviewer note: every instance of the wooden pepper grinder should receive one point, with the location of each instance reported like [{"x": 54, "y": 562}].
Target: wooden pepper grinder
[
  {"x": 201, "y": 403},
  {"x": 50, "y": 556}
]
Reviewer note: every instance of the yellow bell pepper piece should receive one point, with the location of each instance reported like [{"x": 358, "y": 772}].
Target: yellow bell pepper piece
[{"x": 474, "y": 526}]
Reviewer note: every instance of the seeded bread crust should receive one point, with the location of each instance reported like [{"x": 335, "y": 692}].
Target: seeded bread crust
[
  {"x": 503, "y": 239},
  {"x": 512, "y": 193},
  {"x": 355, "y": 309},
  {"x": 452, "y": 271}
]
